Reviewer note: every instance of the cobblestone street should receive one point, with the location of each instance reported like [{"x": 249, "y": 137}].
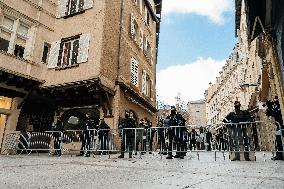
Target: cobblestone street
[{"x": 151, "y": 171}]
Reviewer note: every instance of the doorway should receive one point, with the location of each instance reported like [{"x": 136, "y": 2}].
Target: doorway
[{"x": 5, "y": 106}]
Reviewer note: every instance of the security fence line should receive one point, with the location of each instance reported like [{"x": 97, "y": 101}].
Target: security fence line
[{"x": 240, "y": 139}]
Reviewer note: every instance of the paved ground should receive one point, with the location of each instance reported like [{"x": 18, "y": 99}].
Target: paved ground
[{"x": 149, "y": 172}]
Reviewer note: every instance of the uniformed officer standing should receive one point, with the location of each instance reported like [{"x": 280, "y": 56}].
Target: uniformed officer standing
[
  {"x": 208, "y": 139},
  {"x": 273, "y": 110},
  {"x": 57, "y": 128},
  {"x": 127, "y": 136},
  {"x": 175, "y": 119},
  {"x": 103, "y": 136},
  {"x": 87, "y": 135},
  {"x": 238, "y": 133},
  {"x": 161, "y": 135}
]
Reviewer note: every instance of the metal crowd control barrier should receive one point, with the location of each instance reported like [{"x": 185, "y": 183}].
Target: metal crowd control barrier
[{"x": 241, "y": 140}]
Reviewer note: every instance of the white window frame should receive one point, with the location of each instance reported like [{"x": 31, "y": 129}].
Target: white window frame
[
  {"x": 14, "y": 33},
  {"x": 134, "y": 28},
  {"x": 147, "y": 84}
]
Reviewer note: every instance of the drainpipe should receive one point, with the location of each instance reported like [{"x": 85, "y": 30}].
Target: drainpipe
[{"x": 120, "y": 39}]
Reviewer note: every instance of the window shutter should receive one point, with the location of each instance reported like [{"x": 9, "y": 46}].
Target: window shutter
[
  {"x": 145, "y": 45},
  {"x": 53, "y": 55},
  {"x": 141, "y": 39},
  {"x": 61, "y": 8},
  {"x": 141, "y": 6},
  {"x": 134, "y": 72},
  {"x": 144, "y": 87},
  {"x": 132, "y": 27},
  {"x": 84, "y": 44},
  {"x": 88, "y": 4},
  {"x": 145, "y": 15},
  {"x": 152, "y": 90},
  {"x": 152, "y": 56}
]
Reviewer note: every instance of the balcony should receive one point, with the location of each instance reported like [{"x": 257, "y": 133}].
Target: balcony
[
  {"x": 17, "y": 75},
  {"x": 19, "y": 66}
]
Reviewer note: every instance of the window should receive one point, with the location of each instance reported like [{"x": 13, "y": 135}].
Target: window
[
  {"x": 141, "y": 39},
  {"x": 147, "y": 16},
  {"x": 45, "y": 52},
  {"x": 4, "y": 44},
  {"x": 68, "y": 53},
  {"x": 19, "y": 51},
  {"x": 8, "y": 23},
  {"x": 147, "y": 47},
  {"x": 18, "y": 32},
  {"x": 134, "y": 29},
  {"x": 23, "y": 30},
  {"x": 147, "y": 84},
  {"x": 72, "y": 7},
  {"x": 6, "y": 32},
  {"x": 134, "y": 72}
]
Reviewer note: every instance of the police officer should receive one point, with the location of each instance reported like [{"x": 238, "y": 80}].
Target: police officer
[
  {"x": 103, "y": 136},
  {"x": 87, "y": 135},
  {"x": 273, "y": 110},
  {"x": 150, "y": 136},
  {"x": 127, "y": 136},
  {"x": 175, "y": 119},
  {"x": 57, "y": 128},
  {"x": 192, "y": 138},
  {"x": 208, "y": 139},
  {"x": 180, "y": 136},
  {"x": 237, "y": 132},
  {"x": 161, "y": 135},
  {"x": 220, "y": 139}
]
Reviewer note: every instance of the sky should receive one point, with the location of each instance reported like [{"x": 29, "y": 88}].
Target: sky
[{"x": 197, "y": 36}]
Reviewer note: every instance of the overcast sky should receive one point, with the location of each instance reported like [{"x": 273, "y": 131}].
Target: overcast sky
[{"x": 196, "y": 38}]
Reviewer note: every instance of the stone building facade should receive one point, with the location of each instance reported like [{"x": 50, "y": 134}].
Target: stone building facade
[
  {"x": 197, "y": 113},
  {"x": 77, "y": 56},
  {"x": 254, "y": 72}
]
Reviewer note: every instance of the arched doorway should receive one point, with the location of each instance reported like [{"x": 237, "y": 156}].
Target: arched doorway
[{"x": 78, "y": 114}]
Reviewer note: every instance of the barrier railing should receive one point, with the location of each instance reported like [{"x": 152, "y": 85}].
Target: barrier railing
[{"x": 241, "y": 140}]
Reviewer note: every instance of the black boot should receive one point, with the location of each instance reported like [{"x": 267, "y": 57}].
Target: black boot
[
  {"x": 169, "y": 157},
  {"x": 121, "y": 156},
  {"x": 277, "y": 157}
]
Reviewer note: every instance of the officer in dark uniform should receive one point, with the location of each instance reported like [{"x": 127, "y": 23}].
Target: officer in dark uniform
[
  {"x": 180, "y": 136},
  {"x": 144, "y": 135},
  {"x": 220, "y": 139},
  {"x": 208, "y": 139},
  {"x": 273, "y": 110},
  {"x": 103, "y": 135},
  {"x": 175, "y": 119},
  {"x": 127, "y": 134},
  {"x": 57, "y": 128},
  {"x": 192, "y": 138},
  {"x": 150, "y": 136},
  {"x": 238, "y": 132},
  {"x": 87, "y": 135},
  {"x": 161, "y": 135}
]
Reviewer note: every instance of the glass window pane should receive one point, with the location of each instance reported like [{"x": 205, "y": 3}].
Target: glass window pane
[
  {"x": 8, "y": 23},
  {"x": 19, "y": 51},
  {"x": 23, "y": 30},
  {"x": 4, "y": 44}
]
